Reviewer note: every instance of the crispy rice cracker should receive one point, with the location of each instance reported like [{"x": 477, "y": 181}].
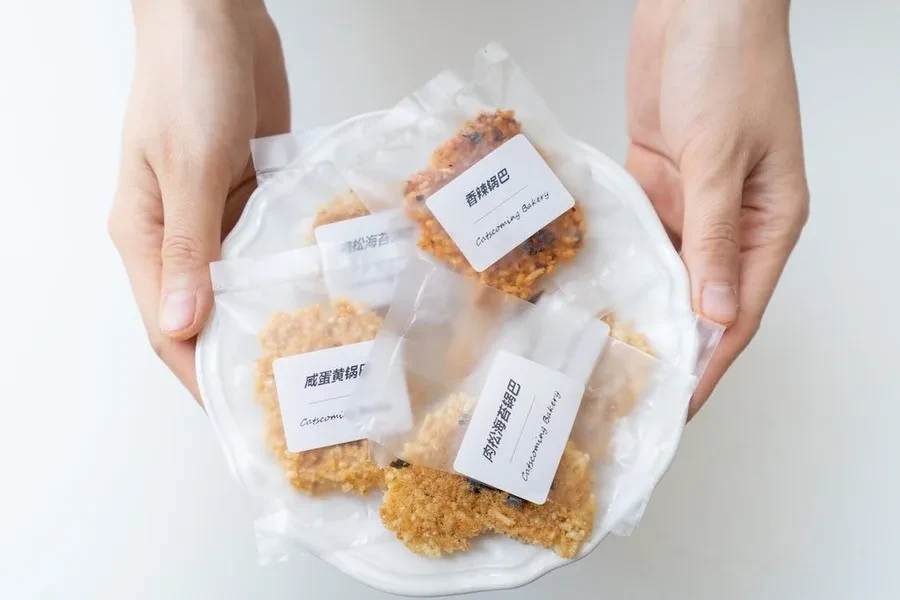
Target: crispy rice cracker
[
  {"x": 520, "y": 271},
  {"x": 344, "y": 467}
]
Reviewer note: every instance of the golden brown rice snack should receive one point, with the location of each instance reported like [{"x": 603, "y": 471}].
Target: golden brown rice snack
[
  {"x": 435, "y": 512},
  {"x": 519, "y": 271},
  {"x": 344, "y": 467}
]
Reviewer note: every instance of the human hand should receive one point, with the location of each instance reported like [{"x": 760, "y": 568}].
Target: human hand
[
  {"x": 715, "y": 142},
  {"x": 209, "y": 77}
]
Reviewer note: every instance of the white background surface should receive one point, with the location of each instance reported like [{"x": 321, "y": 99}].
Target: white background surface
[{"x": 113, "y": 486}]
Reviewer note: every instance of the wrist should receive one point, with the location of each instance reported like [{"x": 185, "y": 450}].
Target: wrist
[
  {"x": 146, "y": 11},
  {"x": 767, "y": 9},
  {"x": 211, "y": 4}
]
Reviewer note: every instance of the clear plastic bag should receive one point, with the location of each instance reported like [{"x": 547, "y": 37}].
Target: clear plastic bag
[
  {"x": 447, "y": 335},
  {"x": 467, "y": 164},
  {"x": 268, "y": 312},
  {"x": 361, "y": 253},
  {"x": 303, "y": 189}
]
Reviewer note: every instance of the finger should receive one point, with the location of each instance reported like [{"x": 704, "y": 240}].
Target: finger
[
  {"x": 760, "y": 269},
  {"x": 135, "y": 226},
  {"x": 782, "y": 211},
  {"x": 192, "y": 228},
  {"x": 712, "y": 187}
]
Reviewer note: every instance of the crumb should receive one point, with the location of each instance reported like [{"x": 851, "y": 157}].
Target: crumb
[
  {"x": 518, "y": 272},
  {"x": 344, "y": 467}
]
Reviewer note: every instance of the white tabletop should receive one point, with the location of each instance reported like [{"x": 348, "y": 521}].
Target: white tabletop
[{"x": 112, "y": 484}]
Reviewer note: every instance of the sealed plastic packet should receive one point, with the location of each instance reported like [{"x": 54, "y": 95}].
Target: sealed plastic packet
[
  {"x": 514, "y": 429},
  {"x": 301, "y": 188},
  {"x": 480, "y": 169},
  {"x": 286, "y": 358},
  {"x": 310, "y": 195},
  {"x": 297, "y": 198}
]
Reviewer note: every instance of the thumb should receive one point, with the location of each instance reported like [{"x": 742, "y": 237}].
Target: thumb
[
  {"x": 192, "y": 225},
  {"x": 710, "y": 239}
]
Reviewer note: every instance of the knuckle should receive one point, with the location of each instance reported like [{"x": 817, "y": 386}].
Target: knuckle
[
  {"x": 786, "y": 220},
  {"x": 718, "y": 237},
  {"x": 180, "y": 248}
]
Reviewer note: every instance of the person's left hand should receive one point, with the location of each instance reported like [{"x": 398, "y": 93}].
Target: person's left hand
[{"x": 210, "y": 76}]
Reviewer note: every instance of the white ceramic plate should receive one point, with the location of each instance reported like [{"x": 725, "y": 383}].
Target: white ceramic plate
[{"x": 494, "y": 562}]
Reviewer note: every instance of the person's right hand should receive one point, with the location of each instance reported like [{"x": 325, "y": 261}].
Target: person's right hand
[
  {"x": 715, "y": 142},
  {"x": 209, "y": 77}
]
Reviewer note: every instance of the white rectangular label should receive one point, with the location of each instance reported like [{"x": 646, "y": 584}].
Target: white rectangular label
[
  {"x": 499, "y": 202},
  {"x": 313, "y": 391},
  {"x": 362, "y": 257},
  {"x": 520, "y": 427}
]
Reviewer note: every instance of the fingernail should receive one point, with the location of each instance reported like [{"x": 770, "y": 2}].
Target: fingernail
[
  {"x": 178, "y": 309},
  {"x": 718, "y": 302}
]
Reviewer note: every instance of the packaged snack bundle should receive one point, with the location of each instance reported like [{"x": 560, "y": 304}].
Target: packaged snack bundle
[
  {"x": 288, "y": 355},
  {"x": 517, "y": 407},
  {"x": 475, "y": 176}
]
